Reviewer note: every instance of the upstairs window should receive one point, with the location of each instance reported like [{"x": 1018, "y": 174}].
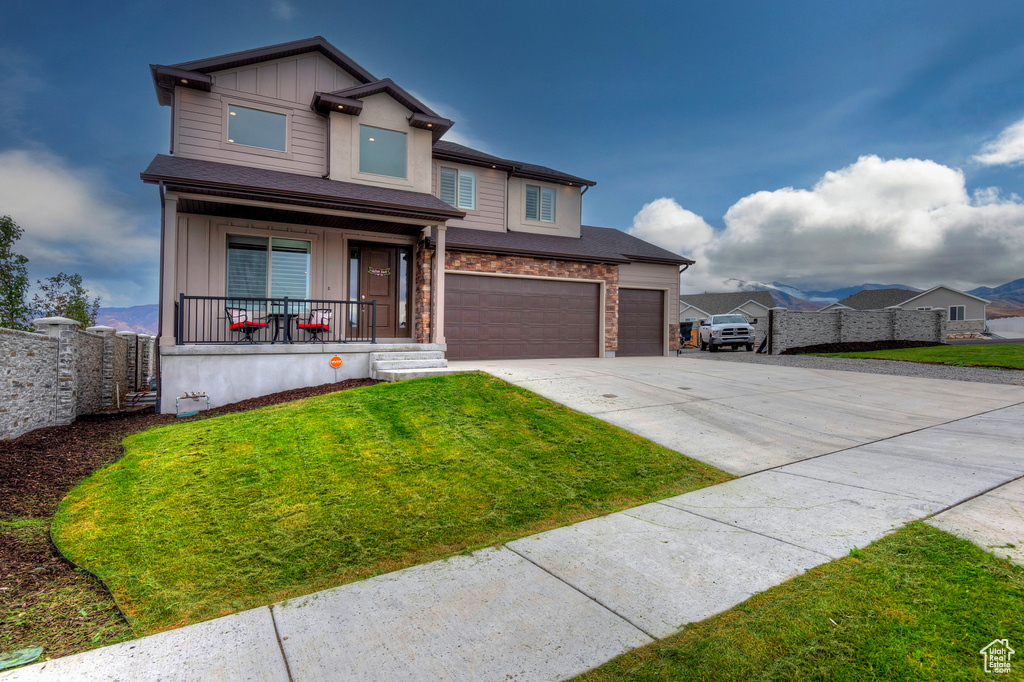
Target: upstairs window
[
  {"x": 540, "y": 203},
  {"x": 956, "y": 312},
  {"x": 381, "y": 152},
  {"x": 255, "y": 128},
  {"x": 259, "y": 267},
  {"x": 458, "y": 188}
]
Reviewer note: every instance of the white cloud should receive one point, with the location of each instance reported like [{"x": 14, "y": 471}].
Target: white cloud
[
  {"x": 1008, "y": 148},
  {"x": 282, "y": 9},
  {"x": 70, "y": 224},
  {"x": 906, "y": 221}
]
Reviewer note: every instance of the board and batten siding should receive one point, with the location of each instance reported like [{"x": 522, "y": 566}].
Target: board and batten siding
[
  {"x": 654, "y": 276},
  {"x": 282, "y": 86},
  {"x": 490, "y": 197}
]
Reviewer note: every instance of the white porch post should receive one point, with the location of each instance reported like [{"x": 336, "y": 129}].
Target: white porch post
[
  {"x": 439, "y": 286},
  {"x": 168, "y": 288}
]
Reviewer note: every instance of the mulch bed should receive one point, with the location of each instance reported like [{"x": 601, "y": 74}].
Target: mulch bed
[
  {"x": 44, "y": 600},
  {"x": 39, "y": 468},
  {"x": 858, "y": 347}
]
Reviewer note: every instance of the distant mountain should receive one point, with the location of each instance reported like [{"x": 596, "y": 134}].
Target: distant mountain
[
  {"x": 1004, "y": 296},
  {"x": 141, "y": 319}
]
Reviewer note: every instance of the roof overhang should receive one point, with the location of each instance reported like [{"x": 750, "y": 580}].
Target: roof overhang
[
  {"x": 166, "y": 78},
  {"x": 326, "y": 103},
  {"x": 533, "y": 253},
  {"x": 421, "y": 116},
  {"x": 519, "y": 172},
  {"x": 951, "y": 289}
]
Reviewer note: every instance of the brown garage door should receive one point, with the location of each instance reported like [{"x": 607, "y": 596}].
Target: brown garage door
[
  {"x": 641, "y": 322},
  {"x": 505, "y": 318}
]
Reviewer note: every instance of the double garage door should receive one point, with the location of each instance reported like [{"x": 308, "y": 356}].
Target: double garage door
[{"x": 507, "y": 318}]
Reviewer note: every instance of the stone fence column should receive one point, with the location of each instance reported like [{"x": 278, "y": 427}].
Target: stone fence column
[
  {"x": 64, "y": 330},
  {"x": 133, "y": 360},
  {"x": 107, "y": 371}
]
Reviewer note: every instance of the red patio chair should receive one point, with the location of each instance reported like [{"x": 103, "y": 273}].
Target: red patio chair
[
  {"x": 240, "y": 321},
  {"x": 318, "y": 322}
]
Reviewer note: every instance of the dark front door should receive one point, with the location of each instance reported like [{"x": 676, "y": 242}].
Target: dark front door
[{"x": 378, "y": 281}]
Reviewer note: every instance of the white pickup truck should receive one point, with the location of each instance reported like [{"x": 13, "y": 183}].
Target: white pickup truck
[{"x": 725, "y": 330}]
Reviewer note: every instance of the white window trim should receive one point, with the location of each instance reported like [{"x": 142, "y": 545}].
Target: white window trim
[
  {"x": 459, "y": 173},
  {"x": 260, "y": 106}
]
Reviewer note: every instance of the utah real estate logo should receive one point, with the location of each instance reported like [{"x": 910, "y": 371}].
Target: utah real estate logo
[{"x": 997, "y": 656}]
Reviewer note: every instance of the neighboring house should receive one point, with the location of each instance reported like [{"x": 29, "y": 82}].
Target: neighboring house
[
  {"x": 296, "y": 173},
  {"x": 753, "y": 305},
  {"x": 966, "y": 312}
]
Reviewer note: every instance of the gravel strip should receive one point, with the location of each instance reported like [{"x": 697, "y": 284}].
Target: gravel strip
[{"x": 892, "y": 367}]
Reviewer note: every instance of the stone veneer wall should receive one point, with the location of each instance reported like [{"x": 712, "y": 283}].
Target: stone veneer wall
[
  {"x": 543, "y": 267},
  {"x": 50, "y": 378},
  {"x": 423, "y": 277},
  {"x": 794, "y": 329},
  {"x": 28, "y": 382}
]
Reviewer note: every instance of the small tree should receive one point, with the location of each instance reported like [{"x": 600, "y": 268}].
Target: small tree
[
  {"x": 63, "y": 295},
  {"x": 14, "y": 311}
]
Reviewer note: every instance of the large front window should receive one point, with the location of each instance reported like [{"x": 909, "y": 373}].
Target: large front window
[
  {"x": 256, "y": 128},
  {"x": 261, "y": 267},
  {"x": 381, "y": 152}
]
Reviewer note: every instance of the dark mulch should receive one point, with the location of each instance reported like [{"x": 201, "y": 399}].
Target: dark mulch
[
  {"x": 44, "y": 601},
  {"x": 858, "y": 347},
  {"x": 41, "y": 467}
]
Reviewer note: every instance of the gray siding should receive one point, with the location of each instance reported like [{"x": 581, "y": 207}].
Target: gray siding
[
  {"x": 283, "y": 86},
  {"x": 491, "y": 192}
]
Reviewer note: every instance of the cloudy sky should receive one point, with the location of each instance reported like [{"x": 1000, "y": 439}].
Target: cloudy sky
[{"x": 818, "y": 144}]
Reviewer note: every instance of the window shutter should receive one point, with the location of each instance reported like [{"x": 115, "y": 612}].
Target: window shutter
[
  {"x": 532, "y": 202},
  {"x": 448, "y": 181},
  {"x": 247, "y": 267},
  {"x": 467, "y": 190},
  {"x": 547, "y": 204}
]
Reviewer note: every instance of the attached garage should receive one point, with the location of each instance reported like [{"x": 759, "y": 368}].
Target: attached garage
[
  {"x": 641, "y": 322},
  {"x": 508, "y": 318}
]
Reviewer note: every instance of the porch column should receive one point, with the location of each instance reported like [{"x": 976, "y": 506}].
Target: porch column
[
  {"x": 439, "y": 286},
  {"x": 168, "y": 289}
]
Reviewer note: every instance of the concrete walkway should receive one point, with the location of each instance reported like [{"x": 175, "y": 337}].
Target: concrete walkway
[{"x": 553, "y": 605}]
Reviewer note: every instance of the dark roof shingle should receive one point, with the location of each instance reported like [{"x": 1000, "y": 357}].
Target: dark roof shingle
[
  {"x": 595, "y": 244},
  {"x": 211, "y": 176},
  {"x": 458, "y": 152},
  {"x": 719, "y": 304},
  {"x": 877, "y": 299}
]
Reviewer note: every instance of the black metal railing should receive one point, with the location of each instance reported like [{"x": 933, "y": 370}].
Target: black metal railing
[{"x": 222, "y": 319}]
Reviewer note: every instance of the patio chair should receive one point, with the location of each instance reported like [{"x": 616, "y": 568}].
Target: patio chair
[
  {"x": 318, "y": 322},
  {"x": 240, "y": 320}
]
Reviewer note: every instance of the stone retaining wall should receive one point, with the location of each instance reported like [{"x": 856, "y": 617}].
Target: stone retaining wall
[
  {"x": 50, "y": 377},
  {"x": 794, "y": 329}
]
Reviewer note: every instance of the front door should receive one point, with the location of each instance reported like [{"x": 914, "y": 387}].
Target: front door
[{"x": 378, "y": 277}]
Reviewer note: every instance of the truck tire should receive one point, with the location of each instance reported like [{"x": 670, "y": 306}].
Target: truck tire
[
  {"x": 702, "y": 345},
  {"x": 713, "y": 348},
  {"x": 750, "y": 347}
]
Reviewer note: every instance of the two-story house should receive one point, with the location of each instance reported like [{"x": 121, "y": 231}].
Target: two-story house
[{"x": 311, "y": 209}]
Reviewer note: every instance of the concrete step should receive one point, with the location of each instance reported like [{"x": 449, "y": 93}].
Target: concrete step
[
  {"x": 409, "y": 364},
  {"x": 408, "y": 347},
  {"x": 403, "y": 374},
  {"x": 421, "y": 355}
]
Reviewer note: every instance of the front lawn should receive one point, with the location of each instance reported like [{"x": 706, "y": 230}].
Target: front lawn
[
  {"x": 207, "y": 518},
  {"x": 917, "y": 605},
  {"x": 1008, "y": 356}
]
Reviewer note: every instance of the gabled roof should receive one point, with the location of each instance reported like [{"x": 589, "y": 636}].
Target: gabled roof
[
  {"x": 955, "y": 291},
  {"x": 594, "y": 245},
  {"x": 347, "y": 101},
  {"x": 450, "y": 151},
  {"x": 877, "y": 299},
  {"x": 720, "y": 304},
  {"x": 246, "y": 182},
  {"x": 165, "y": 78}
]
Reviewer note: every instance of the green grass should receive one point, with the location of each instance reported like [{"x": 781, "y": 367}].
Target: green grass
[
  {"x": 211, "y": 517},
  {"x": 1006, "y": 356},
  {"x": 917, "y": 605}
]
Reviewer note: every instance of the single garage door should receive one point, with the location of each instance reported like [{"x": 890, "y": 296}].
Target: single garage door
[
  {"x": 641, "y": 322},
  {"x": 506, "y": 318}
]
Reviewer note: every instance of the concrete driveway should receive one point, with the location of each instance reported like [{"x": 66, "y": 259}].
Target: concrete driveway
[{"x": 743, "y": 417}]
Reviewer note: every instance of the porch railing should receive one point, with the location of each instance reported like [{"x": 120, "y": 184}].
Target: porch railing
[{"x": 224, "y": 320}]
